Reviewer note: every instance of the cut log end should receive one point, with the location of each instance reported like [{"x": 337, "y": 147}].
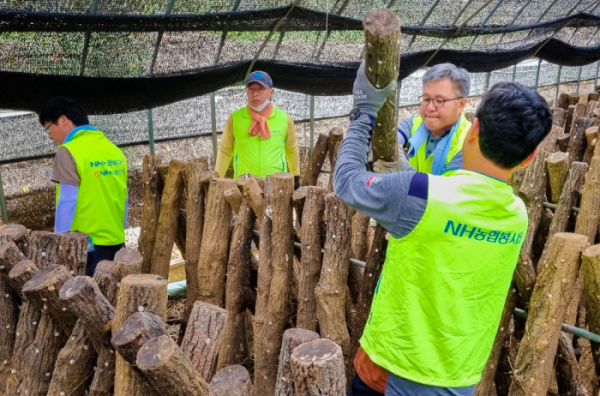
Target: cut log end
[
  {"x": 231, "y": 381},
  {"x": 381, "y": 22},
  {"x": 139, "y": 328}
]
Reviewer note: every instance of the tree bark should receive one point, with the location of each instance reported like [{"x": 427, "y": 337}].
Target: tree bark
[
  {"x": 549, "y": 142},
  {"x": 577, "y": 142},
  {"x": 238, "y": 274},
  {"x": 292, "y": 338},
  {"x": 569, "y": 120},
  {"x": 272, "y": 307},
  {"x": 548, "y": 305},
  {"x": 21, "y": 274},
  {"x": 153, "y": 186},
  {"x": 231, "y": 381},
  {"x": 563, "y": 101},
  {"x": 331, "y": 289},
  {"x": 567, "y": 369},
  {"x": 127, "y": 262},
  {"x": 135, "y": 332},
  {"x": 562, "y": 142},
  {"x": 382, "y": 55},
  {"x": 316, "y": 160},
  {"x": 44, "y": 248},
  {"x": 252, "y": 192},
  {"x": 72, "y": 252},
  {"x": 359, "y": 250},
  {"x": 234, "y": 198},
  {"x": 170, "y": 207},
  {"x": 212, "y": 264},
  {"x": 17, "y": 234},
  {"x": 485, "y": 386},
  {"x": 8, "y": 325},
  {"x": 318, "y": 369},
  {"x": 43, "y": 291},
  {"x": 203, "y": 337},
  {"x": 139, "y": 293},
  {"x": 568, "y": 198},
  {"x": 558, "y": 166},
  {"x": 559, "y": 116},
  {"x": 336, "y": 135},
  {"x": 591, "y": 268},
  {"x": 310, "y": 270},
  {"x": 10, "y": 256},
  {"x": 592, "y": 105},
  {"x": 168, "y": 370},
  {"x": 533, "y": 192},
  {"x": 583, "y": 99}
]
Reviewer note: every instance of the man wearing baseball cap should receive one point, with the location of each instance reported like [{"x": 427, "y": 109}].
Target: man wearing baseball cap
[{"x": 259, "y": 138}]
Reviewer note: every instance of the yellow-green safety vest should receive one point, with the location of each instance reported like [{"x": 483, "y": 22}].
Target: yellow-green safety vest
[
  {"x": 260, "y": 157},
  {"x": 442, "y": 290},
  {"x": 421, "y": 162},
  {"x": 102, "y": 169}
]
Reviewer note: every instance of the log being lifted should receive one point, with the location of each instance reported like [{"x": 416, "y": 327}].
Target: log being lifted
[
  {"x": 168, "y": 370},
  {"x": 139, "y": 293},
  {"x": 548, "y": 304},
  {"x": 231, "y": 381},
  {"x": 318, "y": 369},
  {"x": 203, "y": 337},
  {"x": 212, "y": 265},
  {"x": 316, "y": 160},
  {"x": 292, "y": 338},
  {"x": 170, "y": 206},
  {"x": 153, "y": 187}
]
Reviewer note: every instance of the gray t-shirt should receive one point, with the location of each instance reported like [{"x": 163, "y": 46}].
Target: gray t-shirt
[{"x": 64, "y": 169}]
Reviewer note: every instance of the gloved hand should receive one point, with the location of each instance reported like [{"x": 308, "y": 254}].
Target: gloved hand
[
  {"x": 297, "y": 183},
  {"x": 383, "y": 167},
  {"x": 369, "y": 99}
]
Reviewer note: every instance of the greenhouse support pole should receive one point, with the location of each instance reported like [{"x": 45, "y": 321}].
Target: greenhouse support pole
[
  {"x": 3, "y": 202},
  {"x": 557, "y": 84},
  {"x": 312, "y": 123},
  {"x": 213, "y": 123},
  {"x": 151, "y": 131},
  {"x": 578, "y": 80},
  {"x": 537, "y": 74},
  {"x": 86, "y": 40}
]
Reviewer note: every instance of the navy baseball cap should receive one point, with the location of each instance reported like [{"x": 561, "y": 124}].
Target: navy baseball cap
[{"x": 260, "y": 77}]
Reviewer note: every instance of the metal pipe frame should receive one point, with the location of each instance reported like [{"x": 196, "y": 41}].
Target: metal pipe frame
[
  {"x": 3, "y": 202},
  {"x": 159, "y": 37},
  {"x": 312, "y": 123},
  {"x": 86, "y": 40},
  {"x": 151, "y": 132},
  {"x": 213, "y": 124}
]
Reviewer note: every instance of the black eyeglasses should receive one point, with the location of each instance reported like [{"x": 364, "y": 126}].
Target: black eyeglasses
[
  {"x": 47, "y": 127},
  {"x": 437, "y": 102}
]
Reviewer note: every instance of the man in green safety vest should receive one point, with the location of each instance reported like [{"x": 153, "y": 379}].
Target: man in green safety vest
[
  {"x": 434, "y": 138},
  {"x": 453, "y": 245},
  {"x": 91, "y": 177},
  {"x": 259, "y": 138}
]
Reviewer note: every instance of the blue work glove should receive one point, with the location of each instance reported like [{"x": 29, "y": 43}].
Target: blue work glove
[{"x": 369, "y": 99}]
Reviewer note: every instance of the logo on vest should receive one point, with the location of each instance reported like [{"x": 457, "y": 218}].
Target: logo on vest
[{"x": 492, "y": 236}]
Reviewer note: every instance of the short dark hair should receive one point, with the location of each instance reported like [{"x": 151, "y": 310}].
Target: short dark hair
[
  {"x": 513, "y": 121},
  {"x": 59, "y": 106}
]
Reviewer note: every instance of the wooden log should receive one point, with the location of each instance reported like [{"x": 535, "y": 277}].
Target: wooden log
[
  {"x": 559, "y": 116},
  {"x": 26, "y": 330},
  {"x": 44, "y": 248},
  {"x": 382, "y": 54},
  {"x": 193, "y": 234},
  {"x": 274, "y": 314},
  {"x": 82, "y": 296},
  {"x": 9, "y": 315},
  {"x": 170, "y": 372},
  {"x": 591, "y": 135},
  {"x": 316, "y": 161},
  {"x": 569, "y": 121},
  {"x": 592, "y": 105},
  {"x": 203, "y": 337},
  {"x": 43, "y": 291},
  {"x": 127, "y": 262},
  {"x": 593, "y": 97},
  {"x": 153, "y": 186},
  {"x": 139, "y": 293},
  {"x": 591, "y": 268},
  {"x": 563, "y": 101},
  {"x": 17, "y": 234},
  {"x": 298, "y": 201},
  {"x": 231, "y": 381},
  {"x": 234, "y": 198},
  {"x": 549, "y": 142},
  {"x": 318, "y": 369},
  {"x": 238, "y": 274},
  {"x": 74, "y": 366},
  {"x": 21, "y": 274},
  {"x": 596, "y": 113},
  {"x": 558, "y": 165},
  {"x": 72, "y": 252},
  {"x": 163, "y": 170},
  {"x": 567, "y": 369},
  {"x": 485, "y": 386},
  {"x": 310, "y": 270},
  {"x": 170, "y": 207},
  {"x": 330, "y": 291},
  {"x": 333, "y": 158},
  {"x": 10, "y": 256},
  {"x": 573, "y": 99},
  {"x": 568, "y": 198},
  {"x": 292, "y": 338},
  {"x": 577, "y": 142},
  {"x": 252, "y": 192},
  {"x": 336, "y": 135},
  {"x": 533, "y": 192},
  {"x": 562, "y": 142},
  {"x": 583, "y": 99},
  {"x": 548, "y": 305},
  {"x": 135, "y": 332},
  {"x": 212, "y": 264}
]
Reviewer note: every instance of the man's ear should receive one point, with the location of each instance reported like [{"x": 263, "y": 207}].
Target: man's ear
[
  {"x": 529, "y": 159},
  {"x": 473, "y": 133},
  {"x": 462, "y": 104}
]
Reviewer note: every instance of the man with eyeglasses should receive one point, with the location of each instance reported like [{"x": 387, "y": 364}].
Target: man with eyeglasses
[
  {"x": 91, "y": 180},
  {"x": 259, "y": 138},
  {"x": 435, "y": 137}
]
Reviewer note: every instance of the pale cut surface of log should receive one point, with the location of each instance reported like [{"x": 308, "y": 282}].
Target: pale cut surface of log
[
  {"x": 318, "y": 369},
  {"x": 548, "y": 304},
  {"x": 310, "y": 270},
  {"x": 169, "y": 371},
  {"x": 135, "y": 332},
  {"x": 292, "y": 338},
  {"x": 10, "y": 255},
  {"x": 203, "y": 336},
  {"x": 21, "y": 274},
  {"x": 212, "y": 265},
  {"x": 17, "y": 234},
  {"x": 153, "y": 186},
  {"x": 231, "y": 381},
  {"x": 316, "y": 161}
]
